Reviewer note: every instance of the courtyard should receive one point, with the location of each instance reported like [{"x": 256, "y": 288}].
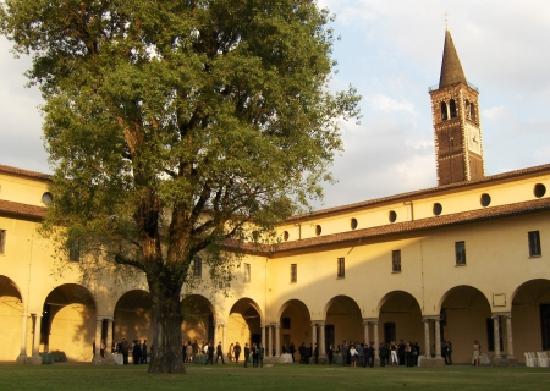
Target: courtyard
[{"x": 281, "y": 377}]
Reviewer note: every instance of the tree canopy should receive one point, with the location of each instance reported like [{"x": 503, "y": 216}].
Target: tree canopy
[{"x": 172, "y": 124}]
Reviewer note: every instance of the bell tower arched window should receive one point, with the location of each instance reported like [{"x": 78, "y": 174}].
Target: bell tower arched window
[
  {"x": 472, "y": 111},
  {"x": 443, "y": 107},
  {"x": 452, "y": 106}
]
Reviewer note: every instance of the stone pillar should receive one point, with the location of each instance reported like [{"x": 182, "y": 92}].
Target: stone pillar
[
  {"x": 277, "y": 340},
  {"x": 496, "y": 319},
  {"x": 313, "y": 333},
  {"x": 322, "y": 349},
  {"x": 23, "y": 353},
  {"x": 509, "y": 340},
  {"x": 263, "y": 336},
  {"x": 437, "y": 339},
  {"x": 270, "y": 340},
  {"x": 36, "y": 334},
  {"x": 376, "y": 339},
  {"x": 97, "y": 340},
  {"x": 109, "y": 338},
  {"x": 366, "y": 336},
  {"x": 427, "y": 338}
]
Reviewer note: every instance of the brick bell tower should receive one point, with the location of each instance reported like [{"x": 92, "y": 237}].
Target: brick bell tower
[{"x": 455, "y": 109}]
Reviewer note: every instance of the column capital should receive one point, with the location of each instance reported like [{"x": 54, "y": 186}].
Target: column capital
[
  {"x": 431, "y": 317},
  {"x": 505, "y": 314},
  {"x": 318, "y": 322},
  {"x": 370, "y": 321}
]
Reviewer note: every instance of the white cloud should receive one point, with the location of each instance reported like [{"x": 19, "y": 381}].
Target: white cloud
[
  {"x": 493, "y": 113},
  {"x": 387, "y": 104}
]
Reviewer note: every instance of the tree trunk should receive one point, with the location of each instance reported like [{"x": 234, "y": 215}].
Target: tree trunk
[{"x": 166, "y": 354}]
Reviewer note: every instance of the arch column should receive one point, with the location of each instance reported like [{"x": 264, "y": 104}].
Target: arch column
[
  {"x": 437, "y": 330},
  {"x": 37, "y": 320},
  {"x": 366, "y": 327},
  {"x": 109, "y": 337},
  {"x": 23, "y": 354},
  {"x": 322, "y": 348},
  {"x": 496, "y": 324},
  {"x": 263, "y": 336},
  {"x": 270, "y": 339},
  {"x": 97, "y": 340},
  {"x": 313, "y": 333},
  {"x": 427, "y": 347},
  {"x": 278, "y": 339},
  {"x": 374, "y": 322},
  {"x": 509, "y": 339}
]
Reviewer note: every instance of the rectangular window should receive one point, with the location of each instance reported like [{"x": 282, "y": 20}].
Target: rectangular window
[
  {"x": 247, "y": 272},
  {"x": 534, "y": 244},
  {"x": 396, "y": 261},
  {"x": 2, "y": 241},
  {"x": 197, "y": 268},
  {"x": 460, "y": 251},
  {"x": 341, "y": 268},
  {"x": 293, "y": 272}
]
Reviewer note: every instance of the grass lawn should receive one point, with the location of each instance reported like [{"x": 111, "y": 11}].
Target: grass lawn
[{"x": 86, "y": 377}]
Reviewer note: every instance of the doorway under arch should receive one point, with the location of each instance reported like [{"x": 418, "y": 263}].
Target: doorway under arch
[
  {"x": 11, "y": 311},
  {"x": 465, "y": 317},
  {"x": 69, "y": 322}
]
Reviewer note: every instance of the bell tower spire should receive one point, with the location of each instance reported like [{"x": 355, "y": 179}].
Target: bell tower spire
[{"x": 455, "y": 109}]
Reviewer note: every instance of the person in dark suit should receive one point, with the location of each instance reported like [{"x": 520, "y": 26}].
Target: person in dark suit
[
  {"x": 261, "y": 353},
  {"x": 255, "y": 360},
  {"x": 124, "y": 351},
  {"x": 316, "y": 354},
  {"x": 246, "y": 352},
  {"x": 210, "y": 353},
  {"x": 237, "y": 349},
  {"x": 292, "y": 351},
  {"x": 330, "y": 351},
  {"x": 136, "y": 352},
  {"x": 144, "y": 352},
  {"x": 219, "y": 353}
]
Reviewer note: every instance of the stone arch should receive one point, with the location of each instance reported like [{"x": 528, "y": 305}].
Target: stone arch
[
  {"x": 530, "y": 310},
  {"x": 198, "y": 319},
  {"x": 343, "y": 320},
  {"x": 132, "y": 316},
  {"x": 295, "y": 324},
  {"x": 465, "y": 317},
  {"x": 69, "y": 322},
  {"x": 400, "y": 318},
  {"x": 244, "y": 323},
  {"x": 11, "y": 311}
]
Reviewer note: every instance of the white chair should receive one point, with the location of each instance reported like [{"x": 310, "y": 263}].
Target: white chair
[
  {"x": 530, "y": 360},
  {"x": 543, "y": 360}
]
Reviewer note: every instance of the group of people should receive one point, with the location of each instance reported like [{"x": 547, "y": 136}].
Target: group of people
[
  {"x": 207, "y": 354},
  {"x": 257, "y": 352},
  {"x": 140, "y": 351}
]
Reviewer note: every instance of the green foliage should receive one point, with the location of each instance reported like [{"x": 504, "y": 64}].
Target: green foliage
[{"x": 170, "y": 124}]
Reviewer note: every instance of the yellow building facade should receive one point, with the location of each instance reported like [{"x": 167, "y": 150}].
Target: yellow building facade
[{"x": 467, "y": 260}]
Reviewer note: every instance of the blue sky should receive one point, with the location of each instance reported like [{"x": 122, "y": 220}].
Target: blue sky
[{"x": 390, "y": 50}]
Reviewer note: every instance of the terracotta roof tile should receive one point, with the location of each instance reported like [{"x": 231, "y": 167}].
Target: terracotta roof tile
[
  {"x": 9, "y": 170},
  {"x": 24, "y": 211},
  {"x": 492, "y": 179},
  {"x": 351, "y": 238}
]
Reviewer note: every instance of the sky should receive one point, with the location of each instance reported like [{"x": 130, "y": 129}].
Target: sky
[{"x": 390, "y": 51}]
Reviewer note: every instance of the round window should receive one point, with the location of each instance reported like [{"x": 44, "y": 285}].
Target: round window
[
  {"x": 392, "y": 216},
  {"x": 437, "y": 209},
  {"x": 285, "y": 235},
  {"x": 318, "y": 230},
  {"x": 539, "y": 190},
  {"x": 485, "y": 199},
  {"x": 47, "y": 198},
  {"x": 353, "y": 223}
]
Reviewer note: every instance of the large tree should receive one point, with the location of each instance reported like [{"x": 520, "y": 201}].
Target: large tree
[{"x": 171, "y": 125}]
